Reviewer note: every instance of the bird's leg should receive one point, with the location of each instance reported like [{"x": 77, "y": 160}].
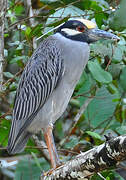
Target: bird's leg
[{"x": 55, "y": 162}]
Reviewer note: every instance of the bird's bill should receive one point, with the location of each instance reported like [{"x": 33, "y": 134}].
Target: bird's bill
[{"x": 96, "y": 34}]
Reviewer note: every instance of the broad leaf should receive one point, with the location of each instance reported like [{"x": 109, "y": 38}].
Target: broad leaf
[
  {"x": 28, "y": 169},
  {"x": 101, "y": 108},
  {"x": 94, "y": 134},
  {"x": 123, "y": 79},
  {"x": 118, "y": 21},
  {"x": 98, "y": 73}
]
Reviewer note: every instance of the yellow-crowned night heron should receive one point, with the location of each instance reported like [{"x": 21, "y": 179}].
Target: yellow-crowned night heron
[{"x": 48, "y": 81}]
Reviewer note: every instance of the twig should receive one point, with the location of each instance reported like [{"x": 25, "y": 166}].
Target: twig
[
  {"x": 51, "y": 17},
  {"x": 6, "y": 114},
  {"x": 83, "y": 95},
  {"x": 42, "y": 147},
  {"x": 15, "y": 3},
  {"x": 3, "y": 7},
  {"x": 13, "y": 79},
  {"x": 110, "y": 60},
  {"x": 80, "y": 112},
  {"x": 101, "y": 176}
]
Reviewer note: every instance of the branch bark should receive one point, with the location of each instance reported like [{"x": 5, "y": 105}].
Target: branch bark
[
  {"x": 100, "y": 158},
  {"x": 3, "y": 7}
]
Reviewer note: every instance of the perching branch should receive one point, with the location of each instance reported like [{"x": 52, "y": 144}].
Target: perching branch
[
  {"x": 93, "y": 161},
  {"x": 3, "y": 7}
]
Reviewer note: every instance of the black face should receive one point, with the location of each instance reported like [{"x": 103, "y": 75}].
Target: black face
[
  {"x": 77, "y": 31},
  {"x": 72, "y": 24},
  {"x": 81, "y": 31}
]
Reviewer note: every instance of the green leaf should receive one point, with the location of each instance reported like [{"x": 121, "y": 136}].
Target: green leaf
[
  {"x": 48, "y": 1},
  {"x": 4, "y": 130},
  {"x": 87, "y": 85},
  {"x": 13, "y": 86},
  {"x": 118, "y": 20},
  {"x": 59, "y": 129},
  {"x": 82, "y": 81},
  {"x": 8, "y": 74},
  {"x": 102, "y": 48},
  {"x": 112, "y": 89},
  {"x": 36, "y": 160},
  {"x": 117, "y": 176},
  {"x": 17, "y": 59},
  {"x": 98, "y": 73},
  {"x": 101, "y": 108},
  {"x": 95, "y": 6},
  {"x": 118, "y": 54},
  {"x": 94, "y": 135},
  {"x": 19, "y": 10},
  {"x": 27, "y": 168},
  {"x": 6, "y": 35},
  {"x": 123, "y": 79},
  {"x": 15, "y": 43},
  {"x": 36, "y": 31},
  {"x": 63, "y": 13},
  {"x": 28, "y": 31},
  {"x": 115, "y": 69},
  {"x": 99, "y": 19},
  {"x": 52, "y": 3},
  {"x": 121, "y": 130},
  {"x": 107, "y": 178},
  {"x": 58, "y": 22},
  {"x": 72, "y": 143},
  {"x": 75, "y": 102}
]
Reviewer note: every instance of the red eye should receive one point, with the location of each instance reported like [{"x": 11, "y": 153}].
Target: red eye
[{"x": 81, "y": 28}]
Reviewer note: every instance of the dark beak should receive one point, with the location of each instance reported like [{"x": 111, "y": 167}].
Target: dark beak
[{"x": 96, "y": 34}]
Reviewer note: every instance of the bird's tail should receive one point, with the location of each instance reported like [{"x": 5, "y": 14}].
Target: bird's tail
[{"x": 17, "y": 145}]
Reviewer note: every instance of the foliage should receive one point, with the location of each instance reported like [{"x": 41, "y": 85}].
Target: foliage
[{"x": 103, "y": 78}]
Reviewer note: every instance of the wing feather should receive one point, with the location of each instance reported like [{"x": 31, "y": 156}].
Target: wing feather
[{"x": 39, "y": 79}]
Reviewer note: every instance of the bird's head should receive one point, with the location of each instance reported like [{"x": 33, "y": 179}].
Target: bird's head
[{"x": 84, "y": 30}]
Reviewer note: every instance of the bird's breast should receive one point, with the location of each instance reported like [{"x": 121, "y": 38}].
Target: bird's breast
[{"x": 75, "y": 59}]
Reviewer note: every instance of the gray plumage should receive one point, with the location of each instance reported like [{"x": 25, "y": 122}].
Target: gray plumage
[{"x": 45, "y": 87}]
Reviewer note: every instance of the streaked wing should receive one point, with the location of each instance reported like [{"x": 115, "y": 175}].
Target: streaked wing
[{"x": 39, "y": 79}]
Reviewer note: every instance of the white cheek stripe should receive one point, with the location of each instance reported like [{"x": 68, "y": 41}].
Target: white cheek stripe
[{"x": 71, "y": 32}]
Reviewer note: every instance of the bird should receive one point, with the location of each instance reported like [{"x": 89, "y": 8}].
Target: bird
[{"x": 48, "y": 82}]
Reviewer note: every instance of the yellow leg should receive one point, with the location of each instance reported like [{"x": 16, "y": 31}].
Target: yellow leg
[{"x": 51, "y": 148}]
